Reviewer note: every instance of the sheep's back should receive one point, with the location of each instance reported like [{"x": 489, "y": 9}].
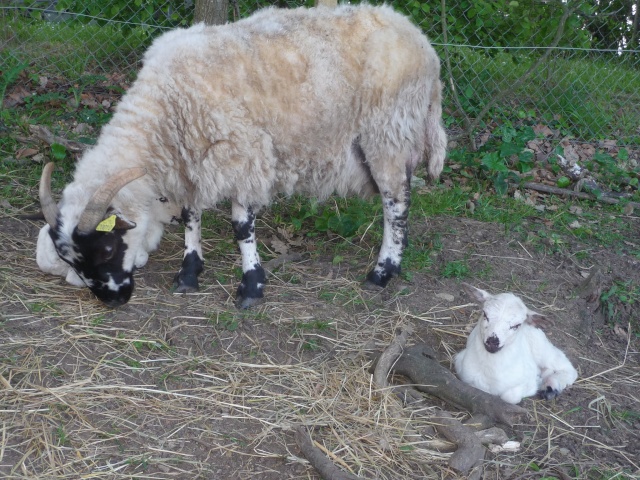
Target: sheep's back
[{"x": 275, "y": 102}]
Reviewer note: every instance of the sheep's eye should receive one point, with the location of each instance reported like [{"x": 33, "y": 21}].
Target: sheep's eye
[
  {"x": 484, "y": 317},
  {"x": 515, "y": 327}
]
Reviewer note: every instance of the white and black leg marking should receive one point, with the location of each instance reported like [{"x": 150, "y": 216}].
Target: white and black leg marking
[
  {"x": 394, "y": 239},
  {"x": 186, "y": 280},
  {"x": 251, "y": 289}
]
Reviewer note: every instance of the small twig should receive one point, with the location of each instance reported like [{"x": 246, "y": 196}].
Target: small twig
[
  {"x": 326, "y": 469},
  {"x": 277, "y": 262}
]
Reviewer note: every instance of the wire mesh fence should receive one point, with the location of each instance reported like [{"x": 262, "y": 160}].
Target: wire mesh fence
[{"x": 573, "y": 66}]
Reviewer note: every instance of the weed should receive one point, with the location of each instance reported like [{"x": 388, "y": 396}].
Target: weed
[
  {"x": 311, "y": 344},
  {"x": 141, "y": 463},
  {"x": 58, "y": 372},
  {"x": 38, "y": 307},
  {"x": 342, "y": 296},
  {"x": 456, "y": 269},
  {"x": 313, "y": 325},
  {"x": 10, "y": 74},
  {"x": 620, "y": 294},
  {"x": 61, "y": 435},
  {"x": 225, "y": 320},
  {"x": 126, "y": 361}
]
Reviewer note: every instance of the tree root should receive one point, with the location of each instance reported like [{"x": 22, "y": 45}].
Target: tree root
[
  {"x": 325, "y": 467},
  {"x": 418, "y": 363}
]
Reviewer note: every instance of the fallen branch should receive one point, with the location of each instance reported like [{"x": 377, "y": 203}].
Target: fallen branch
[
  {"x": 418, "y": 363},
  {"x": 470, "y": 451},
  {"x": 390, "y": 355},
  {"x": 540, "y": 187},
  {"x": 325, "y": 467},
  {"x": 44, "y": 134}
]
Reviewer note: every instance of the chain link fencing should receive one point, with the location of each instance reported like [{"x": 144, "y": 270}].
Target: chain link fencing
[{"x": 572, "y": 66}]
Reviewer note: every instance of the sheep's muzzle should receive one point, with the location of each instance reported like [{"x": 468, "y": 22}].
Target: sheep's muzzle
[{"x": 492, "y": 344}]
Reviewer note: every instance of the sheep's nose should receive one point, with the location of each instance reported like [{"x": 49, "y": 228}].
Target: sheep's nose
[{"x": 492, "y": 344}]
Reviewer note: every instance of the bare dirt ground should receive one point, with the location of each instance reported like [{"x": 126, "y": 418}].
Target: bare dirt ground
[{"x": 187, "y": 387}]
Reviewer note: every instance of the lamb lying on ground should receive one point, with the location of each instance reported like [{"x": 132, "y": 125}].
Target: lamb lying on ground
[{"x": 508, "y": 355}]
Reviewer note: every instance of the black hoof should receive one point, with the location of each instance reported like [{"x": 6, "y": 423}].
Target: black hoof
[
  {"x": 548, "y": 394},
  {"x": 250, "y": 290},
  {"x": 377, "y": 279},
  {"x": 244, "y": 303},
  {"x": 185, "y": 284}
]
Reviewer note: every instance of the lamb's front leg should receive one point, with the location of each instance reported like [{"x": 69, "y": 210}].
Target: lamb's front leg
[
  {"x": 555, "y": 381},
  {"x": 394, "y": 240},
  {"x": 186, "y": 280},
  {"x": 251, "y": 289}
]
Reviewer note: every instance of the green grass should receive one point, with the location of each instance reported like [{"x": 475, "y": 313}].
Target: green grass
[
  {"x": 588, "y": 96},
  {"x": 70, "y": 49}
]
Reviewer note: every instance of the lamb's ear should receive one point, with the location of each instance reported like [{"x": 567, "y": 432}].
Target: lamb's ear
[
  {"x": 538, "y": 320},
  {"x": 477, "y": 294}
]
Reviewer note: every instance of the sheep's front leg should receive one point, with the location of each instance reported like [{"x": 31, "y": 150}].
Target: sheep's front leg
[
  {"x": 250, "y": 291},
  {"x": 186, "y": 280},
  {"x": 394, "y": 240}
]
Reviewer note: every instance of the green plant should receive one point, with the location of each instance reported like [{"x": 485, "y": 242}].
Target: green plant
[
  {"x": 10, "y": 74},
  {"x": 226, "y": 320},
  {"x": 61, "y": 435},
  {"x": 619, "y": 294},
  {"x": 79, "y": 86},
  {"x": 456, "y": 269},
  {"x": 311, "y": 344}
]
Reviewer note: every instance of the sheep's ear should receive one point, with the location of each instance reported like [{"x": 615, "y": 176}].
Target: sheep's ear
[
  {"x": 538, "y": 320},
  {"x": 477, "y": 294}
]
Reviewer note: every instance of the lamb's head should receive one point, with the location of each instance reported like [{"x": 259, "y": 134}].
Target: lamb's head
[
  {"x": 501, "y": 318},
  {"x": 88, "y": 245}
]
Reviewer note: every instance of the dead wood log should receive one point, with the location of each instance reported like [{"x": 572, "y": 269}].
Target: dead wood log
[
  {"x": 325, "y": 467},
  {"x": 419, "y": 364}
]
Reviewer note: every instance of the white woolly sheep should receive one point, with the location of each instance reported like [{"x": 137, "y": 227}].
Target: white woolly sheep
[
  {"x": 315, "y": 101},
  {"x": 508, "y": 355}
]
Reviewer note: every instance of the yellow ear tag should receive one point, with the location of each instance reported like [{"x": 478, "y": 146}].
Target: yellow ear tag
[{"x": 107, "y": 224}]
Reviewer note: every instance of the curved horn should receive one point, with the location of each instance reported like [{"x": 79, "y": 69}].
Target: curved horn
[
  {"x": 94, "y": 212},
  {"x": 47, "y": 204}
]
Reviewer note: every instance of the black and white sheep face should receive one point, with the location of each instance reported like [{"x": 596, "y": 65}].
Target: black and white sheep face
[
  {"x": 95, "y": 260},
  {"x": 93, "y": 245}
]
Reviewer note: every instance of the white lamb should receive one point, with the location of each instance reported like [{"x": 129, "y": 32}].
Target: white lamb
[{"x": 508, "y": 355}]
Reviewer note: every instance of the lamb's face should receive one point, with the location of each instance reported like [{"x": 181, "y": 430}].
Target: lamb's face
[{"x": 502, "y": 316}]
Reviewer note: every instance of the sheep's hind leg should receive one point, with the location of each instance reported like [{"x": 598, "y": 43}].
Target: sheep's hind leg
[
  {"x": 394, "y": 240},
  {"x": 251, "y": 289},
  {"x": 186, "y": 280}
]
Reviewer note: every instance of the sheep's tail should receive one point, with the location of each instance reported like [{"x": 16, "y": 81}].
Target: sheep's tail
[{"x": 436, "y": 138}]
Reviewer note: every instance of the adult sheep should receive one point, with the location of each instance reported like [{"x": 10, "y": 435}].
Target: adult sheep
[{"x": 315, "y": 101}]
